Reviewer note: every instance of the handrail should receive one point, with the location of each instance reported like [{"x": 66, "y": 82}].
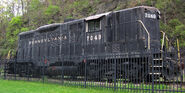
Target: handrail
[
  {"x": 163, "y": 40},
  {"x": 164, "y": 36},
  {"x": 178, "y": 50},
  {"x": 9, "y": 54},
  {"x": 146, "y": 32}
]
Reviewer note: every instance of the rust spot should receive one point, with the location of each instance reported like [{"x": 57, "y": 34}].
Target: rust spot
[
  {"x": 53, "y": 68},
  {"x": 84, "y": 60},
  {"x": 182, "y": 66},
  {"x": 45, "y": 61}
]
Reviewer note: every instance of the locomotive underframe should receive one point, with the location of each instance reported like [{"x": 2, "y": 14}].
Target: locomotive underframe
[{"x": 135, "y": 68}]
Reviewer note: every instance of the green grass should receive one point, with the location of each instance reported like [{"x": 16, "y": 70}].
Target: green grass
[
  {"x": 36, "y": 87},
  {"x": 13, "y": 86}
]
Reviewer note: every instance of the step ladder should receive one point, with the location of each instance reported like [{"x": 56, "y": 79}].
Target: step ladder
[{"x": 157, "y": 65}]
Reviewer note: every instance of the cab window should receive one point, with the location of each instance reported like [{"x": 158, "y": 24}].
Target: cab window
[{"x": 94, "y": 25}]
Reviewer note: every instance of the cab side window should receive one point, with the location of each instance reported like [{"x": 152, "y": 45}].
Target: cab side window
[{"x": 94, "y": 25}]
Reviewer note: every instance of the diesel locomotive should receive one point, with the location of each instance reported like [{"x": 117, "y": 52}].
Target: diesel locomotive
[{"x": 116, "y": 38}]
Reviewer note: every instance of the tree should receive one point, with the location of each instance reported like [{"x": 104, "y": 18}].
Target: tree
[{"x": 15, "y": 26}]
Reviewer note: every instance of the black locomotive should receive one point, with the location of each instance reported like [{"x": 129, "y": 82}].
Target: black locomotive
[{"x": 66, "y": 47}]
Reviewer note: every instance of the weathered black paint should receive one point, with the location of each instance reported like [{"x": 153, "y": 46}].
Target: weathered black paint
[{"x": 66, "y": 45}]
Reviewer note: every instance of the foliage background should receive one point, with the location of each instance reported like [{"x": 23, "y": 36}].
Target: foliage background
[{"x": 23, "y": 15}]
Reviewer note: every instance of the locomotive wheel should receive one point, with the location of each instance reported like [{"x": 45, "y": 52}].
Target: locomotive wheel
[
  {"x": 109, "y": 76},
  {"x": 148, "y": 78},
  {"x": 73, "y": 77},
  {"x": 94, "y": 72},
  {"x": 25, "y": 70},
  {"x": 171, "y": 70},
  {"x": 21, "y": 70},
  {"x": 22, "y": 74},
  {"x": 109, "y": 80},
  {"x": 135, "y": 72},
  {"x": 94, "y": 75}
]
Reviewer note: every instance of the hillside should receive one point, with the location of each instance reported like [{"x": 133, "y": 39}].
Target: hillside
[{"x": 24, "y": 15}]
